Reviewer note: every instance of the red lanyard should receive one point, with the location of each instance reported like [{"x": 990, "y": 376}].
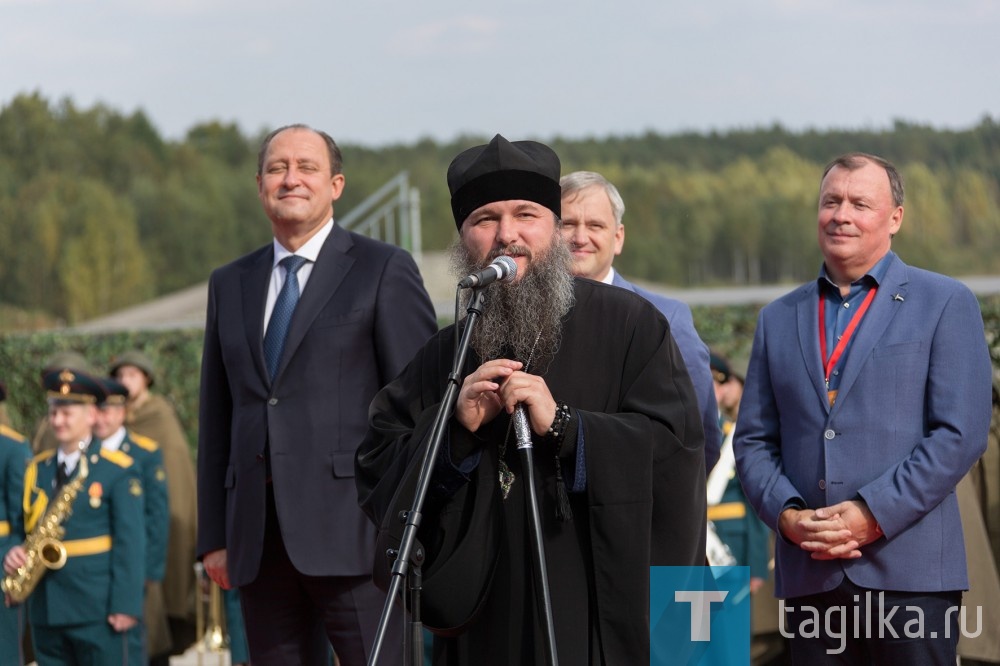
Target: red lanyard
[{"x": 838, "y": 351}]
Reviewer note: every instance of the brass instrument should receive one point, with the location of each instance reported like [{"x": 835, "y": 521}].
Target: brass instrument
[
  {"x": 212, "y": 638},
  {"x": 43, "y": 547}
]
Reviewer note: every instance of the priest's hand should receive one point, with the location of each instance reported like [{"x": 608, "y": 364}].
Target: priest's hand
[
  {"x": 534, "y": 394},
  {"x": 479, "y": 400}
]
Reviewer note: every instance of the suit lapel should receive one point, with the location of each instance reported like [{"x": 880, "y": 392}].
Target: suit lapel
[
  {"x": 884, "y": 307},
  {"x": 807, "y": 317},
  {"x": 619, "y": 281},
  {"x": 332, "y": 266},
  {"x": 254, "y": 290}
]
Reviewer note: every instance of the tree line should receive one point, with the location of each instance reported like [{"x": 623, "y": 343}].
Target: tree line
[{"x": 98, "y": 211}]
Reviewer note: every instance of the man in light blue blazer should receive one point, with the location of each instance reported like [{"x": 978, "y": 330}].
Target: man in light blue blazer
[
  {"x": 592, "y": 212},
  {"x": 867, "y": 399}
]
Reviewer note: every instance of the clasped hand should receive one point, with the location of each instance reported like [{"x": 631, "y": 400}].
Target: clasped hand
[
  {"x": 832, "y": 532},
  {"x": 500, "y": 385}
]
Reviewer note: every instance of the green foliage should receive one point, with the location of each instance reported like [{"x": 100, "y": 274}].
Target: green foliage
[
  {"x": 991, "y": 322},
  {"x": 727, "y": 330},
  {"x": 97, "y": 211},
  {"x": 176, "y": 355}
]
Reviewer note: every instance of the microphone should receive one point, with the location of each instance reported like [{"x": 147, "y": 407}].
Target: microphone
[{"x": 503, "y": 268}]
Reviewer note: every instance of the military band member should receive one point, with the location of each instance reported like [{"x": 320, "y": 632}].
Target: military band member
[
  {"x": 80, "y": 613},
  {"x": 14, "y": 456},
  {"x": 110, "y": 428},
  {"x": 43, "y": 439},
  {"x": 744, "y": 534},
  {"x": 151, "y": 414}
]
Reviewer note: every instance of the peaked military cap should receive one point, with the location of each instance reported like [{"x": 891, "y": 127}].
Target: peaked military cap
[
  {"x": 721, "y": 371},
  {"x": 501, "y": 171},
  {"x": 68, "y": 386},
  {"x": 115, "y": 392}
]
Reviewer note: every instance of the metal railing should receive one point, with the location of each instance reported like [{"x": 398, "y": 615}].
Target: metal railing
[{"x": 390, "y": 214}]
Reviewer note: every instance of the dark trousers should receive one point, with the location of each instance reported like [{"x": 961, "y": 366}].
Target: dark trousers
[
  {"x": 292, "y": 618},
  {"x": 95, "y": 644},
  {"x": 855, "y": 625}
]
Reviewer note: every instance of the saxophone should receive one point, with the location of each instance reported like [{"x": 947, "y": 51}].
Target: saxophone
[{"x": 43, "y": 547}]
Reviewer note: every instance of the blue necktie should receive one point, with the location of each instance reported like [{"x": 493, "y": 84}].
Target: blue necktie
[{"x": 281, "y": 315}]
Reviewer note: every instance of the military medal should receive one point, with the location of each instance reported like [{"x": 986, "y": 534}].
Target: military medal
[{"x": 95, "y": 491}]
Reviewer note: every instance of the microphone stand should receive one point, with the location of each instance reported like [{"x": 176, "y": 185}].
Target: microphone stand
[
  {"x": 407, "y": 553},
  {"x": 523, "y": 432}
]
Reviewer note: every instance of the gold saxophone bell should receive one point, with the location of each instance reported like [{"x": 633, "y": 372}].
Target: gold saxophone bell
[{"x": 52, "y": 553}]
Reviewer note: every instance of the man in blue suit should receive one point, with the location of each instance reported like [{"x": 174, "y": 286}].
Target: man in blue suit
[
  {"x": 592, "y": 212},
  {"x": 867, "y": 399}
]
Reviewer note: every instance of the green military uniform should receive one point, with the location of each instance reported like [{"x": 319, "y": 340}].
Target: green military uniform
[
  {"x": 239, "y": 650},
  {"x": 149, "y": 460},
  {"x": 105, "y": 543},
  {"x": 14, "y": 456},
  {"x": 149, "y": 463},
  {"x": 737, "y": 524},
  {"x": 157, "y": 420}
]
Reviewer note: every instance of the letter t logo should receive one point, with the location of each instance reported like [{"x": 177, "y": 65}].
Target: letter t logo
[{"x": 701, "y": 610}]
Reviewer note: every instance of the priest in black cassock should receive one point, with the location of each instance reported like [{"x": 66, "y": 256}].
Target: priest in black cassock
[{"x": 618, "y": 441}]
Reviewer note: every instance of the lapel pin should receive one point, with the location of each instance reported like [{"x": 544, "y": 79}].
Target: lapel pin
[{"x": 897, "y": 297}]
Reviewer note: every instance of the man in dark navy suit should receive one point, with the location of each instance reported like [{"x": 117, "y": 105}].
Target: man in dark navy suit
[{"x": 299, "y": 337}]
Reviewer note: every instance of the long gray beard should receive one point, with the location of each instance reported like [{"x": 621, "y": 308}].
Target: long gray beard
[{"x": 519, "y": 313}]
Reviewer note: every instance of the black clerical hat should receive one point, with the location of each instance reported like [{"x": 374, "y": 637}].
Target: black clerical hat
[
  {"x": 66, "y": 386},
  {"x": 501, "y": 171}
]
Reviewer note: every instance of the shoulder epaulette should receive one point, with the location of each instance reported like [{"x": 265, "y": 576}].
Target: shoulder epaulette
[
  {"x": 143, "y": 442},
  {"x": 43, "y": 456},
  {"x": 117, "y": 457},
  {"x": 7, "y": 431}
]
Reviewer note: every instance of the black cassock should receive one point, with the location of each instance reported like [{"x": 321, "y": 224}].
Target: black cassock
[{"x": 638, "y": 498}]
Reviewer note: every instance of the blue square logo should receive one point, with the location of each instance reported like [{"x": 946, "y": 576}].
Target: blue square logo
[{"x": 699, "y": 615}]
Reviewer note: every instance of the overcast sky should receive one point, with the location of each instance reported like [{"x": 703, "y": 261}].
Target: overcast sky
[{"x": 382, "y": 71}]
